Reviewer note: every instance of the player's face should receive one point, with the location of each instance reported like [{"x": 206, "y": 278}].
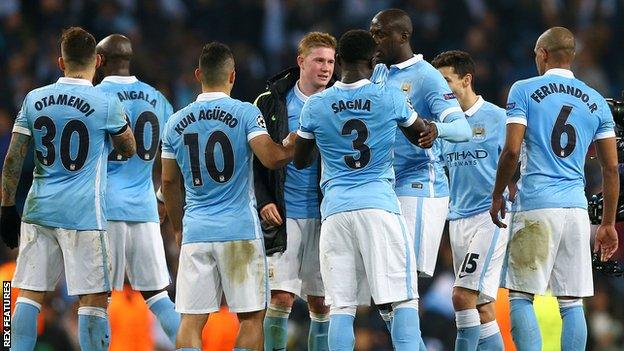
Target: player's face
[
  {"x": 317, "y": 66},
  {"x": 455, "y": 82},
  {"x": 387, "y": 40}
]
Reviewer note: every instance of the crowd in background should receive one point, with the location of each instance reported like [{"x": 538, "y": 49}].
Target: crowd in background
[{"x": 168, "y": 35}]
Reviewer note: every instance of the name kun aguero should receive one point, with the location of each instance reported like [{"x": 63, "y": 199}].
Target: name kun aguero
[
  {"x": 67, "y": 100},
  {"x": 216, "y": 114}
]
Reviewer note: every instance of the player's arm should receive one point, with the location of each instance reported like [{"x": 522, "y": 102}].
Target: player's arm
[
  {"x": 451, "y": 124},
  {"x": 171, "y": 184},
  {"x": 414, "y": 131},
  {"x": 507, "y": 164},
  {"x": 124, "y": 143},
  {"x": 11, "y": 172},
  {"x": 271, "y": 154},
  {"x": 606, "y": 235},
  {"x": 304, "y": 152}
]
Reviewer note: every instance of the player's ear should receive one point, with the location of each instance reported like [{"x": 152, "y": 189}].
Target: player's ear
[
  {"x": 99, "y": 60},
  {"x": 467, "y": 80},
  {"x": 61, "y": 63},
  {"x": 232, "y": 77},
  {"x": 404, "y": 37},
  {"x": 300, "y": 60},
  {"x": 198, "y": 75}
]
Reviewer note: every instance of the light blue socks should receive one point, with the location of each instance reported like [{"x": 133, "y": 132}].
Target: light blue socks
[
  {"x": 574, "y": 333},
  {"x": 164, "y": 310},
  {"x": 24, "y": 325},
  {"x": 406, "y": 328},
  {"x": 468, "y": 330},
  {"x": 490, "y": 338},
  {"x": 319, "y": 329},
  {"x": 93, "y": 329},
  {"x": 524, "y": 328},
  {"x": 341, "y": 335},
  {"x": 276, "y": 328}
]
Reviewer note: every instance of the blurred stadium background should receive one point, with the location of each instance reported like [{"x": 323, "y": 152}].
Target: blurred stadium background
[{"x": 167, "y": 36}]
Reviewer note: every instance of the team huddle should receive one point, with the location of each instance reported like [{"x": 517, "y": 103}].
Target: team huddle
[{"x": 333, "y": 190}]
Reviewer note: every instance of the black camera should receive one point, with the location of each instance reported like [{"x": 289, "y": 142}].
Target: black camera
[{"x": 595, "y": 203}]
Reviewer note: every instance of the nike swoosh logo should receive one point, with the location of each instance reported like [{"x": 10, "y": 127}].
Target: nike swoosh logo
[{"x": 461, "y": 276}]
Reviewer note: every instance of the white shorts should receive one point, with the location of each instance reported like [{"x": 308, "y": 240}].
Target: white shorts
[
  {"x": 549, "y": 248},
  {"x": 137, "y": 250},
  {"x": 297, "y": 270},
  {"x": 478, "y": 247},
  {"x": 44, "y": 253},
  {"x": 367, "y": 253},
  {"x": 208, "y": 270},
  {"x": 425, "y": 218}
]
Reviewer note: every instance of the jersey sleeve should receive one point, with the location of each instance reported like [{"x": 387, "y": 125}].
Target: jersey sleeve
[
  {"x": 606, "y": 128},
  {"x": 116, "y": 119},
  {"x": 404, "y": 112},
  {"x": 167, "y": 145},
  {"x": 517, "y": 105},
  {"x": 21, "y": 121},
  {"x": 306, "y": 122},
  {"x": 440, "y": 99},
  {"x": 254, "y": 122},
  {"x": 380, "y": 74}
]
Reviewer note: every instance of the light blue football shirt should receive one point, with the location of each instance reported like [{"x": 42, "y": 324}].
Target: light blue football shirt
[
  {"x": 130, "y": 192},
  {"x": 562, "y": 116},
  {"x": 69, "y": 122},
  {"x": 209, "y": 139},
  {"x": 355, "y": 126},
  {"x": 472, "y": 164},
  {"x": 300, "y": 186},
  {"x": 419, "y": 172}
]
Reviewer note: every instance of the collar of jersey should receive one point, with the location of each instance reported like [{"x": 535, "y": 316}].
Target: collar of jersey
[
  {"x": 121, "y": 79},
  {"x": 360, "y": 83},
  {"x": 75, "y": 81},
  {"x": 211, "y": 96},
  {"x": 414, "y": 60},
  {"x": 299, "y": 94},
  {"x": 474, "y": 108},
  {"x": 560, "y": 72}
]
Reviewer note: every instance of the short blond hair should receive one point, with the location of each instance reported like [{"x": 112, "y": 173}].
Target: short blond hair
[{"x": 315, "y": 40}]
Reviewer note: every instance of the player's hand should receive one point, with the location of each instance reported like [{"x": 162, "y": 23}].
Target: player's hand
[
  {"x": 10, "y": 226},
  {"x": 606, "y": 242},
  {"x": 271, "y": 215},
  {"x": 427, "y": 138},
  {"x": 498, "y": 205},
  {"x": 289, "y": 141}
]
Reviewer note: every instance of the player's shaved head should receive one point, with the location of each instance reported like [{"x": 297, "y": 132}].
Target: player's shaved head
[
  {"x": 115, "y": 47},
  {"x": 395, "y": 20},
  {"x": 216, "y": 64},
  {"x": 559, "y": 43}
]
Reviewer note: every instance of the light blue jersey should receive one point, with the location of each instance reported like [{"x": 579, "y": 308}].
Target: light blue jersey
[
  {"x": 69, "y": 122},
  {"x": 472, "y": 164},
  {"x": 210, "y": 141},
  {"x": 355, "y": 126},
  {"x": 562, "y": 116},
  {"x": 419, "y": 171},
  {"x": 300, "y": 186},
  {"x": 130, "y": 189}
]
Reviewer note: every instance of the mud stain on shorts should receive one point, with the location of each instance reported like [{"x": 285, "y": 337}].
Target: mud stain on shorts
[
  {"x": 238, "y": 255},
  {"x": 529, "y": 246}
]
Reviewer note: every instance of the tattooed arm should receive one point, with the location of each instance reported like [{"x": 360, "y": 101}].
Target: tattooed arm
[
  {"x": 13, "y": 167},
  {"x": 124, "y": 142}
]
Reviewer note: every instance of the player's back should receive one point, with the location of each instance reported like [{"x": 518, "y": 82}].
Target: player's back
[
  {"x": 355, "y": 128},
  {"x": 209, "y": 140},
  {"x": 69, "y": 122},
  {"x": 419, "y": 171},
  {"x": 130, "y": 179},
  {"x": 563, "y": 116}
]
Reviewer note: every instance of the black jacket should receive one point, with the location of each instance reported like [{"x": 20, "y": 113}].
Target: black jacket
[{"x": 269, "y": 184}]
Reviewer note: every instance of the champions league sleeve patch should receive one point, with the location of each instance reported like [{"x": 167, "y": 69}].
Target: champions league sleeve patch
[
  {"x": 449, "y": 96},
  {"x": 511, "y": 105},
  {"x": 260, "y": 121}
]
